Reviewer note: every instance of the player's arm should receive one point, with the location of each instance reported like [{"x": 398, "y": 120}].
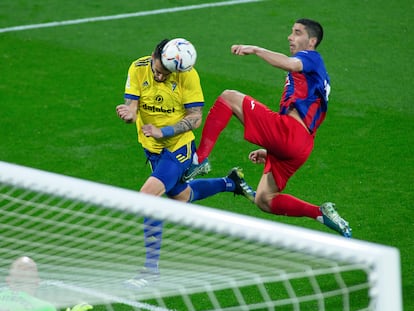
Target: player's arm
[
  {"x": 128, "y": 110},
  {"x": 192, "y": 120},
  {"x": 275, "y": 59}
]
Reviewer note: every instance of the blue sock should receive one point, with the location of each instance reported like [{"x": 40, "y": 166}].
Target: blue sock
[
  {"x": 204, "y": 188},
  {"x": 152, "y": 241}
]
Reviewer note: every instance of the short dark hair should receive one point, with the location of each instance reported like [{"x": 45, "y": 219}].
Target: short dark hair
[
  {"x": 159, "y": 48},
  {"x": 313, "y": 28}
]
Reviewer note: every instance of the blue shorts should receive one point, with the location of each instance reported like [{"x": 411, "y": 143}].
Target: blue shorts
[{"x": 169, "y": 167}]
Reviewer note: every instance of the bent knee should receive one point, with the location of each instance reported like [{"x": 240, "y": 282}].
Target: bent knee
[
  {"x": 184, "y": 196},
  {"x": 231, "y": 95},
  {"x": 263, "y": 200}
]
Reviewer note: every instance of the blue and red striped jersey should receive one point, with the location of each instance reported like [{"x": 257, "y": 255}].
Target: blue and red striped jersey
[{"x": 308, "y": 90}]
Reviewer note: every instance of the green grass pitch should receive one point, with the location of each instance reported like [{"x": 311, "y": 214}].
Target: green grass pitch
[{"x": 59, "y": 87}]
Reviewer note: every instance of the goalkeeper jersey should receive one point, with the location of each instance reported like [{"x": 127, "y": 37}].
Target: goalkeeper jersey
[
  {"x": 162, "y": 103},
  {"x": 21, "y": 301}
]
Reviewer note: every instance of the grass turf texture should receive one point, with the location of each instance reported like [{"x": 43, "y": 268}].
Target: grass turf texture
[{"x": 59, "y": 87}]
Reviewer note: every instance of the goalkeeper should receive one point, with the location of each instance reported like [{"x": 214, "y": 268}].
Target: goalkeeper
[{"x": 23, "y": 281}]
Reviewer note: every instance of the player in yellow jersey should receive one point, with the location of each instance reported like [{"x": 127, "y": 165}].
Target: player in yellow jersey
[{"x": 166, "y": 107}]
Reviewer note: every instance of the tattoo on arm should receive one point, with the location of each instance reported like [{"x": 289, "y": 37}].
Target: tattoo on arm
[
  {"x": 191, "y": 121},
  {"x": 128, "y": 101},
  {"x": 132, "y": 105}
]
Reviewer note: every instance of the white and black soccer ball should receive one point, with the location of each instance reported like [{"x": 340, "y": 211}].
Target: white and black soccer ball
[{"x": 179, "y": 55}]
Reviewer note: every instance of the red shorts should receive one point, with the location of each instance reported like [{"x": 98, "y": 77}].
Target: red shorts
[{"x": 287, "y": 142}]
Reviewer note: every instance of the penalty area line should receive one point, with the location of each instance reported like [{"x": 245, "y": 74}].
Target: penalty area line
[{"x": 123, "y": 16}]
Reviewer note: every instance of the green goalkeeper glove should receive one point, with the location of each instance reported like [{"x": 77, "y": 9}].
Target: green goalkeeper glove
[{"x": 80, "y": 307}]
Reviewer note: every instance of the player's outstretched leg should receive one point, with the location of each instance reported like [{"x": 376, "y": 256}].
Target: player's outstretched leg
[
  {"x": 197, "y": 169},
  {"x": 242, "y": 188},
  {"x": 332, "y": 219}
]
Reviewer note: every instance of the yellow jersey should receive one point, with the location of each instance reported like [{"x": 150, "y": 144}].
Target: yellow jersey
[{"x": 162, "y": 103}]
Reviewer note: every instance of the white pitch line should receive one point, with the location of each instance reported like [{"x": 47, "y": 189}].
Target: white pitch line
[
  {"x": 127, "y": 15},
  {"x": 105, "y": 296}
]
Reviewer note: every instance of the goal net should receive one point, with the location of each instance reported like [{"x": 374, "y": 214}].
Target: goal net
[{"x": 87, "y": 240}]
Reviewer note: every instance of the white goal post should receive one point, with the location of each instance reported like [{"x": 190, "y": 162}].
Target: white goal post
[{"x": 87, "y": 238}]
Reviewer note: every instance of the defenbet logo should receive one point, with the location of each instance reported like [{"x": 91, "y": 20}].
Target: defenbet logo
[{"x": 153, "y": 108}]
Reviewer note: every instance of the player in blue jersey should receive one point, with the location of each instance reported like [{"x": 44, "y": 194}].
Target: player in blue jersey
[
  {"x": 166, "y": 107},
  {"x": 287, "y": 136}
]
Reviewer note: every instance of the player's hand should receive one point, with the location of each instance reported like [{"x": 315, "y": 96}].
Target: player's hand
[
  {"x": 258, "y": 156},
  {"x": 150, "y": 130},
  {"x": 80, "y": 307},
  {"x": 125, "y": 113},
  {"x": 239, "y": 49}
]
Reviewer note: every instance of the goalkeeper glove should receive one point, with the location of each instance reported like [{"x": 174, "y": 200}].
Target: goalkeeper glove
[{"x": 80, "y": 307}]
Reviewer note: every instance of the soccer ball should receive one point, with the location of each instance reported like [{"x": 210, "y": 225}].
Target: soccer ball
[{"x": 178, "y": 55}]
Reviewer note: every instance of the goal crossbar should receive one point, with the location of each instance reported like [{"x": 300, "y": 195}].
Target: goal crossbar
[{"x": 383, "y": 261}]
